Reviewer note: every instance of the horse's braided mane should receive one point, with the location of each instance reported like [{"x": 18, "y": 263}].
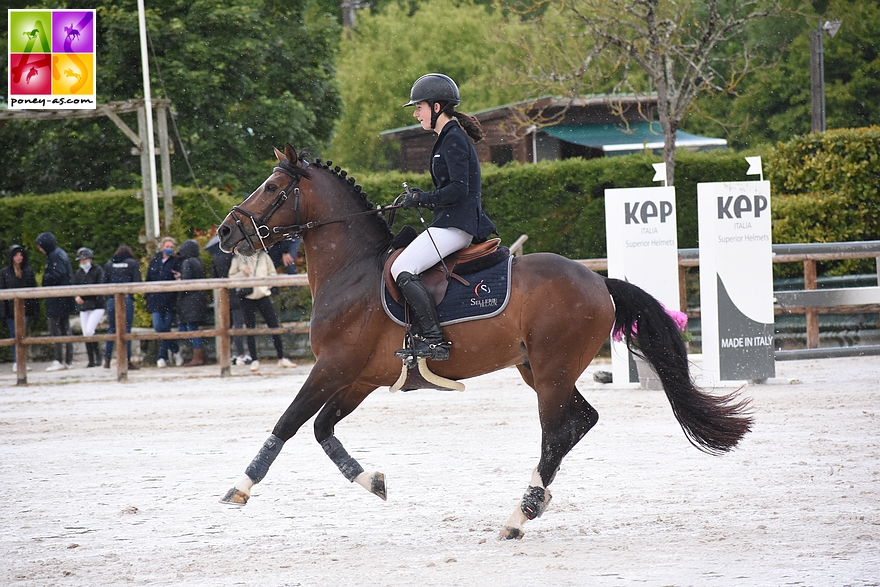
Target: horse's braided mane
[{"x": 356, "y": 191}]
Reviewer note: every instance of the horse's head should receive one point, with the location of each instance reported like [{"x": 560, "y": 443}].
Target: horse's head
[{"x": 263, "y": 219}]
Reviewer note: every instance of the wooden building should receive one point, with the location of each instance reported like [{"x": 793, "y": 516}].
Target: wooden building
[{"x": 553, "y": 128}]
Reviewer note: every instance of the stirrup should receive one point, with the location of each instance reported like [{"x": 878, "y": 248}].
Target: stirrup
[{"x": 422, "y": 349}]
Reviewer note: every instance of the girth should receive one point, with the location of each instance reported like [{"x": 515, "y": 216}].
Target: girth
[{"x": 468, "y": 260}]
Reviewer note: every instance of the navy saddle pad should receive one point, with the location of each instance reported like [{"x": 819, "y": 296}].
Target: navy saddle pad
[{"x": 486, "y": 296}]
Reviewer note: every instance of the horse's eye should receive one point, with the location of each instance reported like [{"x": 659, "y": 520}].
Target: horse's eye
[{"x": 271, "y": 187}]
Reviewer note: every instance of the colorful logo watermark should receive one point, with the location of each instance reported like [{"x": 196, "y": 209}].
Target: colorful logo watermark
[{"x": 52, "y": 59}]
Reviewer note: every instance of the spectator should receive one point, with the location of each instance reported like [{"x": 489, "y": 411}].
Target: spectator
[
  {"x": 284, "y": 253},
  {"x": 162, "y": 305},
  {"x": 191, "y": 305},
  {"x": 91, "y": 308},
  {"x": 259, "y": 265},
  {"x": 58, "y": 310},
  {"x": 121, "y": 268},
  {"x": 17, "y": 273},
  {"x": 220, "y": 263}
]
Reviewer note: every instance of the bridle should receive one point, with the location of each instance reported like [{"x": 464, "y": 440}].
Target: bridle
[
  {"x": 261, "y": 224},
  {"x": 290, "y": 231}
]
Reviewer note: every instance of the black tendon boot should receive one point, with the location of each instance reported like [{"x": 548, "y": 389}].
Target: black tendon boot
[{"x": 428, "y": 338}]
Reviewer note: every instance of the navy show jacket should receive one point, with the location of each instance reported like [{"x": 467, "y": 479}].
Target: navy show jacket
[{"x": 455, "y": 170}]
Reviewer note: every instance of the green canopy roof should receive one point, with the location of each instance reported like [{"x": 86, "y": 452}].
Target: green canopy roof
[{"x": 620, "y": 138}]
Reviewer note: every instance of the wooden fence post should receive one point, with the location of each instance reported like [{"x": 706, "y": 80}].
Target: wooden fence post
[
  {"x": 20, "y": 349},
  {"x": 221, "y": 319},
  {"x": 811, "y": 313},
  {"x": 121, "y": 346}
]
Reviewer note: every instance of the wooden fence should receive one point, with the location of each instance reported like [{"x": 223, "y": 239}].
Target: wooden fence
[
  {"x": 811, "y": 304},
  {"x": 221, "y": 331}
]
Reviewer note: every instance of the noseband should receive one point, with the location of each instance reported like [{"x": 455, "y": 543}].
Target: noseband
[{"x": 261, "y": 224}]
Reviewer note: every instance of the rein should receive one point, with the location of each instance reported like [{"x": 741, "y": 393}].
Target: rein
[{"x": 298, "y": 228}]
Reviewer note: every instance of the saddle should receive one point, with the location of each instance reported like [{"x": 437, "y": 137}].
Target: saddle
[{"x": 468, "y": 260}]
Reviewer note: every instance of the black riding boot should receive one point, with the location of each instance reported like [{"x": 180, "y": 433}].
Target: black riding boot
[
  {"x": 92, "y": 350},
  {"x": 428, "y": 337}
]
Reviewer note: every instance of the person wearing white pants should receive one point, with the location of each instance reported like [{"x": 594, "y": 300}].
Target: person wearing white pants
[
  {"x": 456, "y": 201},
  {"x": 91, "y": 308}
]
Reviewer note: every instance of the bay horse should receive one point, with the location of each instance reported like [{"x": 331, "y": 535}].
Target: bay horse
[{"x": 558, "y": 316}]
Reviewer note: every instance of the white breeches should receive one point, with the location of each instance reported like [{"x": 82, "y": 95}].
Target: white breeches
[
  {"x": 422, "y": 254},
  {"x": 89, "y": 320}
]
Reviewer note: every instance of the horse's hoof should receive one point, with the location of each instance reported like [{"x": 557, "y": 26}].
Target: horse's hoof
[
  {"x": 511, "y": 533},
  {"x": 235, "y": 497},
  {"x": 377, "y": 485}
]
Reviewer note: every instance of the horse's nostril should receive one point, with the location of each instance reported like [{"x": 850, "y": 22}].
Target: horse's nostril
[{"x": 223, "y": 231}]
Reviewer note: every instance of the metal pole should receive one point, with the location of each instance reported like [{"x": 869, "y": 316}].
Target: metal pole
[
  {"x": 816, "y": 85},
  {"x": 149, "y": 146},
  {"x": 821, "y": 77}
]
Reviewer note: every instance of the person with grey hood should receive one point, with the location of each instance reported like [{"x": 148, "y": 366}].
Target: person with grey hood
[
  {"x": 17, "y": 273},
  {"x": 192, "y": 306},
  {"x": 58, "y": 310}
]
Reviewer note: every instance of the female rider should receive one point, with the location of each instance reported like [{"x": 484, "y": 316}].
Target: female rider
[{"x": 458, "y": 214}]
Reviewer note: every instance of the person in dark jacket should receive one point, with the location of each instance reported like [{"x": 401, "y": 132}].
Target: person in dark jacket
[
  {"x": 192, "y": 306},
  {"x": 17, "y": 273},
  {"x": 162, "y": 306},
  {"x": 456, "y": 201},
  {"x": 284, "y": 253},
  {"x": 91, "y": 308},
  {"x": 121, "y": 268},
  {"x": 58, "y": 310}
]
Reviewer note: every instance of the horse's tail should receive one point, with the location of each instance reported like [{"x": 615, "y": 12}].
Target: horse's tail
[{"x": 714, "y": 424}]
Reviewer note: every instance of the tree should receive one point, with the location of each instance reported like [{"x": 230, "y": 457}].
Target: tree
[
  {"x": 391, "y": 48},
  {"x": 676, "y": 49},
  {"x": 242, "y": 76},
  {"x": 774, "y": 104}
]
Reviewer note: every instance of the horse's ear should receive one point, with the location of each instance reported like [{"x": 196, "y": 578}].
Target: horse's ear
[
  {"x": 278, "y": 154},
  {"x": 290, "y": 153}
]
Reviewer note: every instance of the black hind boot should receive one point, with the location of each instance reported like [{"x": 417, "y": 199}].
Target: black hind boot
[{"x": 428, "y": 339}]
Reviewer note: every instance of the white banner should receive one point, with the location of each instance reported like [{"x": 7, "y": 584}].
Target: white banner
[
  {"x": 642, "y": 244},
  {"x": 736, "y": 280}
]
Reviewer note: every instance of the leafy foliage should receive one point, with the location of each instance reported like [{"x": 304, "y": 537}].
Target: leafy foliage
[
  {"x": 241, "y": 75},
  {"x": 775, "y": 103},
  {"x": 393, "y": 47},
  {"x": 830, "y": 185}
]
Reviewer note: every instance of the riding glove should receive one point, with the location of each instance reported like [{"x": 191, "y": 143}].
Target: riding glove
[{"x": 413, "y": 199}]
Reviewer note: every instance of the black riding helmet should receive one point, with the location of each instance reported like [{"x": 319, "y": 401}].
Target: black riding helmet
[{"x": 434, "y": 88}]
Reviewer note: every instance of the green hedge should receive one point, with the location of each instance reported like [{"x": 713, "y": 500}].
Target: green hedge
[
  {"x": 101, "y": 220},
  {"x": 560, "y": 205},
  {"x": 827, "y": 189}
]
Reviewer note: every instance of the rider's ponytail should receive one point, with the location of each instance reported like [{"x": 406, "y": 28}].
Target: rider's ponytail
[
  {"x": 471, "y": 126},
  {"x": 468, "y": 123}
]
